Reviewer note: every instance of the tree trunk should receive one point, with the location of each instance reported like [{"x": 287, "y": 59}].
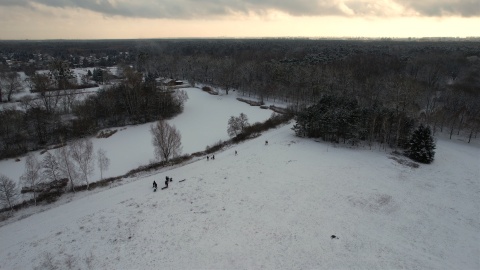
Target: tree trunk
[
  {"x": 452, "y": 128},
  {"x": 460, "y": 124}
]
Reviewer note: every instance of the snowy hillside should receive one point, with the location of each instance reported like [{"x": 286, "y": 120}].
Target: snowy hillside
[{"x": 272, "y": 206}]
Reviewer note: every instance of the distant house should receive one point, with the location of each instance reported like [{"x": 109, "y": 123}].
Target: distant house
[{"x": 169, "y": 82}]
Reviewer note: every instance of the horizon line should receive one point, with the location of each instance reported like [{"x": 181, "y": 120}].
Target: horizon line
[{"x": 439, "y": 38}]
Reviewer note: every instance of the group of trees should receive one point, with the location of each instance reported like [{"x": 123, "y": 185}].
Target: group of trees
[
  {"x": 342, "y": 118},
  {"x": 134, "y": 100},
  {"x": 39, "y": 120},
  {"x": 74, "y": 162},
  {"x": 101, "y": 76},
  {"x": 434, "y": 82},
  {"x": 29, "y": 56},
  {"x": 59, "y": 112}
]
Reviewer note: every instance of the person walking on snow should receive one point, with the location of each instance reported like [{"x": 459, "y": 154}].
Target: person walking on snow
[
  {"x": 154, "y": 184},
  {"x": 166, "y": 181}
]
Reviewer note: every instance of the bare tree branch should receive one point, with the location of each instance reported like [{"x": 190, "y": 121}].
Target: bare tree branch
[
  {"x": 103, "y": 161},
  {"x": 31, "y": 176},
  {"x": 83, "y": 155}
]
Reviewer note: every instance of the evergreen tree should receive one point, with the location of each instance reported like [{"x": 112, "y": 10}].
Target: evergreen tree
[
  {"x": 97, "y": 75},
  {"x": 421, "y": 146}
]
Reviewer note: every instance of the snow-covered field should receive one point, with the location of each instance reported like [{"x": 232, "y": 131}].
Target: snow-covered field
[{"x": 272, "y": 206}]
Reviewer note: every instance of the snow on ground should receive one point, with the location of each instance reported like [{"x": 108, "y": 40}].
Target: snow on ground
[
  {"x": 203, "y": 122},
  {"x": 271, "y": 206}
]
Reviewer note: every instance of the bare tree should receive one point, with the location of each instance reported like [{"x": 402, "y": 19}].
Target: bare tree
[
  {"x": 180, "y": 97},
  {"x": 8, "y": 191},
  {"x": 31, "y": 176},
  {"x": 83, "y": 155},
  {"x": 243, "y": 120},
  {"x": 66, "y": 165},
  {"x": 166, "y": 139},
  {"x": 10, "y": 83},
  {"x": 233, "y": 127},
  {"x": 401, "y": 94},
  {"x": 226, "y": 76},
  {"x": 68, "y": 98},
  {"x": 237, "y": 124},
  {"x": 103, "y": 161},
  {"x": 51, "y": 168},
  {"x": 43, "y": 85}
]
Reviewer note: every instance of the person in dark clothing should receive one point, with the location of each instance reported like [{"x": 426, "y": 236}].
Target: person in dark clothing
[
  {"x": 213, "y": 156},
  {"x": 166, "y": 182},
  {"x": 235, "y": 152},
  {"x": 154, "y": 184}
]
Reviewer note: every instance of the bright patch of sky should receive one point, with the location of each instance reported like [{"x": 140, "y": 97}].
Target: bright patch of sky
[{"x": 100, "y": 19}]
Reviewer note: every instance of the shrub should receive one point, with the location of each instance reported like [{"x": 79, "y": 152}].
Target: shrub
[
  {"x": 214, "y": 148},
  {"x": 257, "y": 128},
  {"x": 209, "y": 90}
]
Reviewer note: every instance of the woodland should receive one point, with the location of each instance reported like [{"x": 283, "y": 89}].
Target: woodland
[{"x": 344, "y": 91}]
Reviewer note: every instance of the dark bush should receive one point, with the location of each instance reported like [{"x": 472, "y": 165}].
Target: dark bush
[
  {"x": 216, "y": 147},
  {"x": 255, "y": 129}
]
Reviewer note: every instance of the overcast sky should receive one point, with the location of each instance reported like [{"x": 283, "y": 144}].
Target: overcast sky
[{"x": 99, "y": 19}]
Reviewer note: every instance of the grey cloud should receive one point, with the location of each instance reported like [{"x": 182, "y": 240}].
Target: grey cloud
[
  {"x": 464, "y": 8},
  {"x": 14, "y": 2},
  {"x": 195, "y": 9},
  {"x": 190, "y": 8}
]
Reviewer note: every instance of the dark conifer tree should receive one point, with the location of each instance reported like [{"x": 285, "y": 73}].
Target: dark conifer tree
[{"x": 421, "y": 146}]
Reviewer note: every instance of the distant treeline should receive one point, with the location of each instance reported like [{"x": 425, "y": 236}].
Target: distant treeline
[
  {"x": 388, "y": 83},
  {"x": 434, "y": 83}
]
